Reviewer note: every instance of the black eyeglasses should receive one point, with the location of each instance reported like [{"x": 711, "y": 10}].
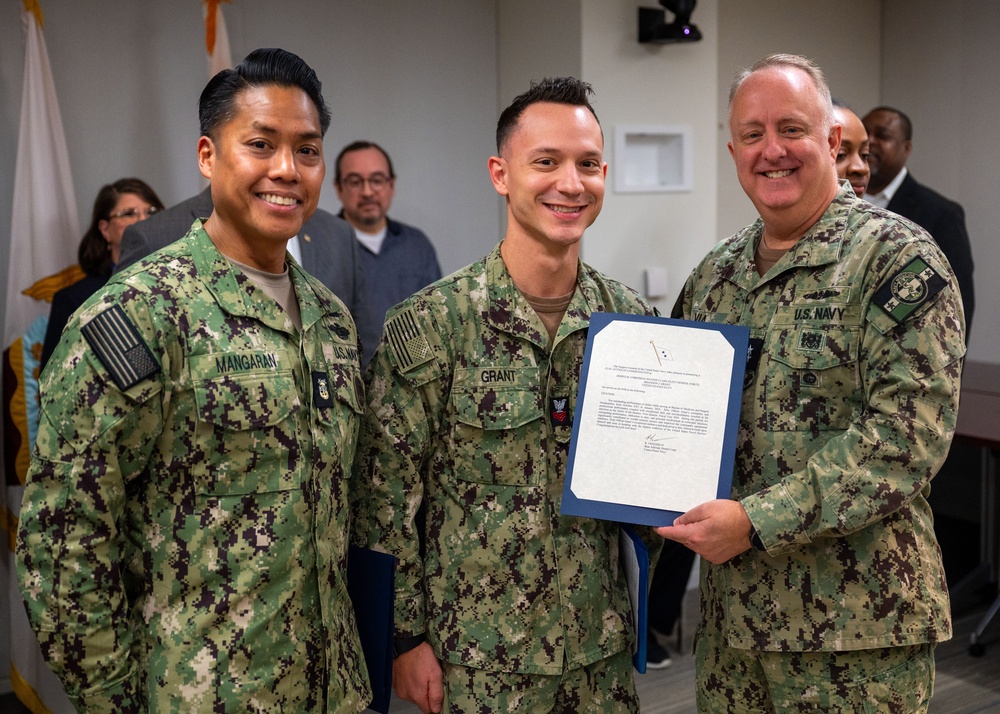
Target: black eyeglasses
[
  {"x": 134, "y": 214},
  {"x": 353, "y": 182}
]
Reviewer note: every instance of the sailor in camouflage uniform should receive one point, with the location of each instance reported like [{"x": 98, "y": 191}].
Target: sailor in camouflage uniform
[
  {"x": 183, "y": 536},
  {"x": 472, "y": 395},
  {"x": 827, "y": 592}
]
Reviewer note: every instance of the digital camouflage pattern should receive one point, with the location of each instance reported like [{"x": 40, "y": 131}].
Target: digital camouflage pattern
[
  {"x": 606, "y": 686},
  {"x": 470, "y": 413},
  {"x": 848, "y": 412},
  {"x": 886, "y": 680},
  {"x": 183, "y": 541}
]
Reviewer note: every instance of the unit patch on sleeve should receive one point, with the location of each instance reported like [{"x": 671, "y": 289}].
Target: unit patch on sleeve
[
  {"x": 911, "y": 287},
  {"x": 121, "y": 350},
  {"x": 407, "y": 342}
]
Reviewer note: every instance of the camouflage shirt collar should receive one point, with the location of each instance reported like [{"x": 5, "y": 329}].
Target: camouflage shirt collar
[
  {"x": 822, "y": 244},
  {"x": 239, "y": 296},
  {"x": 510, "y": 311}
]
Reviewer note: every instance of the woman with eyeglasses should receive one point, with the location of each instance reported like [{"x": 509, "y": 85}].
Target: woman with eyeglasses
[{"x": 118, "y": 205}]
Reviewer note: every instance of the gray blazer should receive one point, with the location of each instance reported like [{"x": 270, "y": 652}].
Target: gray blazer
[{"x": 327, "y": 243}]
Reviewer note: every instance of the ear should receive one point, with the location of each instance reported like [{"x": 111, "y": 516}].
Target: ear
[
  {"x": 604, "y": 170},
  {"x": 102, "y": 226},
  {"x": 206, "y": 156},
  {"x": 729, "y": 145},
  {"x": 835, "y": 134},
  {"x": 907, "y": 146},
  {"x": 498, "y": 174}
]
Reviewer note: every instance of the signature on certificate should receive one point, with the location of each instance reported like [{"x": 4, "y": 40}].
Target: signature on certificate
[{"x": 658, "y": 444}]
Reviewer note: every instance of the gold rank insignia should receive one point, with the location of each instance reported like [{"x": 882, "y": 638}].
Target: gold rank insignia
[{"x": 321, "y": 389}]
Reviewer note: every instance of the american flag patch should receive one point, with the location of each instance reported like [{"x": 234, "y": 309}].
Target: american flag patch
[
  {"x": 117, "y": 344},
  {"x": 407, "y": 342}
]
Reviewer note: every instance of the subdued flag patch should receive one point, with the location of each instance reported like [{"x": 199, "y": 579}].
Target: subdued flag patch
[
  {"x": 121, "y": 350},
  {"x": 407, "y": 342},
  {"x": 908, "y": 289}
]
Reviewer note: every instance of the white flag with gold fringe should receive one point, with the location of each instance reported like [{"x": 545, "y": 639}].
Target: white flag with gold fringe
[{"x": 45, "y": 231}]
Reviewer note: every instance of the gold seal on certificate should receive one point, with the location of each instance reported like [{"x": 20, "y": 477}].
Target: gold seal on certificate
[{"x": 656, "y": 416}]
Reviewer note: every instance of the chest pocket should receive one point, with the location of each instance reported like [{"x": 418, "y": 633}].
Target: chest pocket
[
  {"x": 246, "y": 431},
  {"x": 811, "y": 378},
  {"x": 496, "y": 437}
]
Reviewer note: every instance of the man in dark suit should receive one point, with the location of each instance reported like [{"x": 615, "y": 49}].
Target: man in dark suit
[
  {"x": 326, "y": 244},
  {"x": 890, "y": 134}
]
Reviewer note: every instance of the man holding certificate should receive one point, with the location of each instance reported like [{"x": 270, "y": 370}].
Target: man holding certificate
[
  {"x": 502, "y": 604},
  {"x": 825, "y": 589}
]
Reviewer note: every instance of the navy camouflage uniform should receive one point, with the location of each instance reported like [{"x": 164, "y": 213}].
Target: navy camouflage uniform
[
  {"x": 470, "y": 414},
  {"x": 849, "y": 408},
  {"x": 183, "y": 535}
]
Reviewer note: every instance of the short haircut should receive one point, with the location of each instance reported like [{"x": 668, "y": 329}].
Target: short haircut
[
  {"x": 358, "y": 146},
  {"x": 558, "y": 90},
  {"x": 261, "y": 68},
  {"x": 799, "y": 62},
  {"x": 93, "y": 253},
  {"x": 905, "y": 120}
]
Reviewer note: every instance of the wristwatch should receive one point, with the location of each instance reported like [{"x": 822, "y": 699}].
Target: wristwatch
[
  {"x": 403, "y": 645},
  {"x": 755, "y": 542}
]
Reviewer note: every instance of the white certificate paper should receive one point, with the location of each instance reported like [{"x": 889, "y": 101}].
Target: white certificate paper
[{"x": 656, "y": 417}]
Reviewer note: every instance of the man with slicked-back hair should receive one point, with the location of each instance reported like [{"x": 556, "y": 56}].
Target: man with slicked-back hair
[{"x": 183, "y": 535}]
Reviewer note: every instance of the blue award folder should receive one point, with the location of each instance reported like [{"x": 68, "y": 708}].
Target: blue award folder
[
  {"x": 635, "y": 561},
  {"x": 656, "y": 418},
  {"x": 370, "y": 584}
]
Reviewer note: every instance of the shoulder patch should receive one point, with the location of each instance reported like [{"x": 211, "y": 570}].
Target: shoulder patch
[
  {"x": 121, "y": 350},
  {"x": 908, "y": 289},
  {"x": 407, "y": 342}
]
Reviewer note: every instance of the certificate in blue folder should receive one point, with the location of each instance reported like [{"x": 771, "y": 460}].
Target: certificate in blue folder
[
  {"x": 370, "y": 584},
  {"x": 657, "y": 413}
]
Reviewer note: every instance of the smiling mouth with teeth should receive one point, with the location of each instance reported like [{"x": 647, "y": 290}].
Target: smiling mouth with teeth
[
  {"x": 778, "y": 174},
  {"x": 280, "y": 200},
  {"x": 564, "y": 209}
]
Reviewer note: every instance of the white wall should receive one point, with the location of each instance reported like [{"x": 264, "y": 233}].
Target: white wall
[{"x": 941, "y": 66}]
